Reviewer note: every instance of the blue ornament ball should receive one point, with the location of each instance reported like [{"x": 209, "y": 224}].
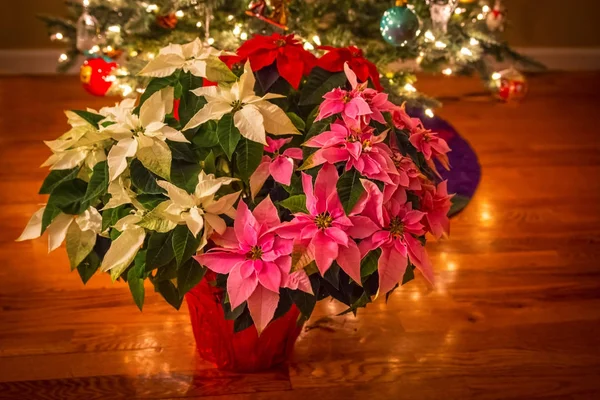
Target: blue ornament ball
[{"x": 399, "y": 25}]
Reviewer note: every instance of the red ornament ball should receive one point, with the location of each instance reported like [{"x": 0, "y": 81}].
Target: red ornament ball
[
  {"x": 510, "y": 85},
  {"x": 94, "y": 75}
]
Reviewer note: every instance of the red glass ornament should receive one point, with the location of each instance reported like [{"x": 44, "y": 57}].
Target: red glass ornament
[
  {"x": 243, "y": 351},
  {"x": 94, "y": 73}
]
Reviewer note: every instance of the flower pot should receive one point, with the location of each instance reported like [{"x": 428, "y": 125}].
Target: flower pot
[{"x": 244, "y": 351}]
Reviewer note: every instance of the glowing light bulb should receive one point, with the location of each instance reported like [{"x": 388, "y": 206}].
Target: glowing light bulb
[
  {"x": 133, "y": 53},
  {"x": 151, "y": 8},
  {"x": 458, "y": 11},
  {"x": 317, "y": 40},
  {"x": 496, "y": 76},
  {"x": 429, "y": 113},
  {"x": 63, "y": 57},
  {"x": 126, "y": 90},
  {"x": 473, "y": 42},
  {"x": 237, "y": 30},
  {"x": 440, "y": 45},
  {"x": 95, "y": 48},
  {"x": 480, "y": 17},
  {"x": 150, "y": 56},
  {"x": 244, "y": 36},
  {"x": 466, "y": 52},
  {"x": 485, "y": 9},
  {"x": 179, "y": 14},
  {"x": 429, "y": 36},
  {"x": 86, "y": 3},
  {"x": 447, "y": 71},
  {"x": 230, "y": 18},
  {"x": 114, "y": 28},
  {"x": 409, "y": 88},
  {"x": 198, "y": 24},
  {"x": 211, "y": 41},
  {"x": 308, "y": 46},
  {"x": 58, "y": 36}
]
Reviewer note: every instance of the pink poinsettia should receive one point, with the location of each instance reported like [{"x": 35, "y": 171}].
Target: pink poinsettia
[
  {"x": 280, "y": 165},
  {"x": 357, "y": 106},
  {"x": 326, "y": 232},
  {"x": 257, "y": 260},
  {"x": 402, "y": 120},
  {"x": 362, "y": 150},
  {"x": 408, "y": 178},
  {"x": 398, "y": 229},
  {"x": 432, "y": 146},
  {"x": 436, "y": 203}
]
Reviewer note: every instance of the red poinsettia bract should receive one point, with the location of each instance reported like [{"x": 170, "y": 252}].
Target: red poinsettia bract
[
  {"x": 335, "y": 58},
  {"x": 292, "y": 60}
]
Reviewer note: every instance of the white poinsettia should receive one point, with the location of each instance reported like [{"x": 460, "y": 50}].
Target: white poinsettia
[
  {"x": 82, "y": 144},
  {"x": 194, "y": 57},
  {"x": 254, "y": 116},
  {"x": 80, "y": 232},
  {"x": 125, "y": 107},
  {"x": 124, "y": 248},
  {"x": 200, "y": 209},
  {"x": 143, "y": 137},
  {"x": 121, "y": 193}
]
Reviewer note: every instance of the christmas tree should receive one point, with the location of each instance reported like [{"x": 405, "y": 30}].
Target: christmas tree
[{"x": 445, "y": 36}]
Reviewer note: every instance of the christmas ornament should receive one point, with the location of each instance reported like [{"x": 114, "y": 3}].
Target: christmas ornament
[
  {"x": 441, "y": 11},
  {"x": 88, "y": 30},
  {"x": 399, "y": 24},
  {"x": 509, "y": 85},
  {"x": 95, "y": 75},
  {"x": 168, "y": 21},
  {"x": 278, "y": 16},
  {"x": 495, "y": 18}
]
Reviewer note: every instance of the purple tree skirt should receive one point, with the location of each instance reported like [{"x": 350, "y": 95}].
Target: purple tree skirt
[{"x": 465, "y": 171}]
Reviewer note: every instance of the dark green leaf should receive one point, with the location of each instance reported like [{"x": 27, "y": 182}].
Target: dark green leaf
[
  {"x": 208, "y": 165},
  {"x": 319, "y": 83},
  {"x": 318, "y": 127},
  {"x": 91, "y": 118},
  {"x": 135, "y": 279},
  {"x": 244, "y": 321},
  {"x": 184, "y": 243},
  {"x": 88, "y": 267},
  {"x": 228, "y": 135},
  {"x": 206, "y": 136},
  {"x": 189, "y": 275},
  {"x": 160, "y": 250},
  {"x": 182, "y": 151},
  {"x": 169, "y": 292},
  {"x": 361, "y": 302},
  {"x": 285, "y": 303},
  {"x": 230, "y": 314},
  {"x": 409, "y": 274},
  {"x": 56, "y": 177},
  {"x": 98, "y": 184},
  {"x": 144, "y": 180},
  {"x": 113, "y": 215},
  {"x": 185, "y": 175},
  {"x": 151, "y": 201},
  {"x": 332, "y": 275},
  {"x": 305, "y": 302},
  {"x": 66, "y": 197},
  {"x": 248, "y": 157},
  {"x": 369, "y": 263},
  {"x": 295, "y": 203},
  {"x": 297, "y": 121},
  {"x": 190, "y": 103},
  {"x": 349, "y": 189},
  {"x": 155, "y": 85}
]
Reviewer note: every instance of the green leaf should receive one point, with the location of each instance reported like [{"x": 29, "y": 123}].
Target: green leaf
[
  {"x": 369, "y": 263},
  {"x": 184, "y": 243},
  {"x": 169, "y": 292},
  {"x": 144, "y": 180},
  {"x": 409, "y": 274},
  {"x": 79, "y": 244},
  {"x": 297, "y": 121},
  {"x": 234, "y": 314},
  {"x": 98, "y": 184},
  {"x": 135, "y": 279},
  {"x": 56, "y": 177},
  {"x": 190, "y": 104},
  {"x": 318, "y": 127},
  {"x": 248, "y": 157},
  {"x": 151, "y": 201},
  {"x": 189, "y": 275},
  {"x": 91, "y": 118},
  {"x": 295, "y": 203},
  {"x": 156, "y": 158},
  {"x": 332, "y": 275},
  {"x": 113, "y": 215},
  {"x": 155, "y": 220},
  {"x": 160, "y": 250},
  {"x": 242, "y": 322},
  {"x": 182, "y": 151},
  {"x": 208, "y": 165},
  {"x": 350, "y": 189},
  {"x": 305, "y": 302},
  {"x": 206, "y": 136},
  {"x": 361, "y": 302},
  {"x": 319, "y": 83},
  {"x": 185, "y": 175},
  {"x": 228, "y": 135},
  {"x": 157, "y": 84},
  {"x": 88, "y": 267},
  {"x": 66, "y": 197}
]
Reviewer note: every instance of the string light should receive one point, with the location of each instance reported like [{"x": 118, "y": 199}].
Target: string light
[
  {"x": 126, "y": 89},
  {"x": 317, "y": 40},
  {"x": 409, "y": 88},
  {"x": 429, "y": 36},
  {"x": 496, "y": 76},
  {"x": 63, "y": 57},
  {"x": 211, "y": 41},
  {"x": 308, "y": 46},
  {"x": 198, "y": 24},
  {"x": 458, "y": 11},
  {"x": 473, "y": 42},
  {"x": 151, "y": 8},
  {"x": 57, "y": 36},
  {"x": 114, "y": 28},
  {"x": 447, "y": 71},
  {"x": 485, "y": 9},
  {"x": 244, "y": 36},
  {"x": 480, "y": 16},
  {"x": 440, "y": 45},
  {"x": 237, "y": 30},
  {"x": 133, "y": 53},
  {"x": 466, "y": 52},
  {"x": 150, "y": 56},
  {"x": 230, "y": 18},
  {"x": 429, "y": 113},
  {"x": 179, "y": 14},
  {"x": 95, "y": 48}
]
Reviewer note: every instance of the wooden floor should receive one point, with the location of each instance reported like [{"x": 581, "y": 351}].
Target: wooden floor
[{"x": 515, "y": 314}]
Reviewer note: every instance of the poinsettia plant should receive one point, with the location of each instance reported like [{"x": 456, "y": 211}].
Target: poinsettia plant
[{"x": 290, "y": 178}]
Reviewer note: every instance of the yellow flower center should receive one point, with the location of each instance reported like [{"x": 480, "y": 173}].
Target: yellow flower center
[
  {"x": 396, "y": 228},
  {"x": 323, "y": 220},
  {"x": 255, "y": 253},
  {"x": 237, "y": 106}
]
